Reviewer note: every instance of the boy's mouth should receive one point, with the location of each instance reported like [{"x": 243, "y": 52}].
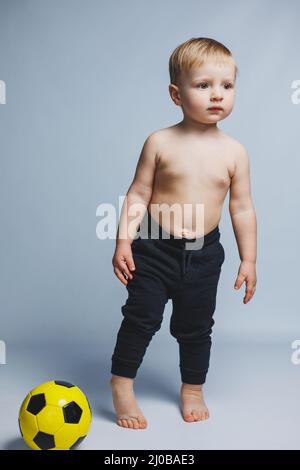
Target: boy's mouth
[{"x": 215, "y": 108}]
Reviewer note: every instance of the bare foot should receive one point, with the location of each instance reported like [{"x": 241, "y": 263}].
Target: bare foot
[
  {"x": 193, "y": 405},
  {"x": 127, "y": 410}
]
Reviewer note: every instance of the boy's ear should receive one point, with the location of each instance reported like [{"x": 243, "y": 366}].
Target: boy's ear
[{"x": 174, "y": 93}]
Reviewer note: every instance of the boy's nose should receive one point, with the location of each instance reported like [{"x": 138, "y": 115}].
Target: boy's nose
[{"x": 216, "y": 95}]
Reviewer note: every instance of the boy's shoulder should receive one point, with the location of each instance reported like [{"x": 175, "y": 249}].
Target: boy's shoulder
[
  {"x": 157, "y": 141},
  {"x": 160, "y": 135},
  {"x": 237, "y": 150},
  {"x": 234, "y": 143}
]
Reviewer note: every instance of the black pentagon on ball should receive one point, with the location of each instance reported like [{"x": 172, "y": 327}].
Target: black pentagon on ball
[
  {"x": 72, "y": 413},
  {"x": 76, "y": 444},
  {"x": 44, "y": 441},
  {"x": 64, "y": 384},
  {"x": 36, "y": 403}
]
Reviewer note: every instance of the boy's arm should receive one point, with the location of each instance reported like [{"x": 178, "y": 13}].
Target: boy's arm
[
  {"x": 139, "y": 193},
  {"x": 243, "y": 219},
  {"x": 134, "y": 207}
]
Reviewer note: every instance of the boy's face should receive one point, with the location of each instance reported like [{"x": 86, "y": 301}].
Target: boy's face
[{"x": 211, "y": 85}]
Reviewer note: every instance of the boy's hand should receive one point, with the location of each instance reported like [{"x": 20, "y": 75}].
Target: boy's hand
[
  {"x": 123, "y": 261},
  {"x": 246, "y": 273}
]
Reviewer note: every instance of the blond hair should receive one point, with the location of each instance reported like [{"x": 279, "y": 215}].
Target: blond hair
[{"x": 195, "y": 52}]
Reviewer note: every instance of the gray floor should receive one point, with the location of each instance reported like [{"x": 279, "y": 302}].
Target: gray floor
[{"x": 252, "y": 392}]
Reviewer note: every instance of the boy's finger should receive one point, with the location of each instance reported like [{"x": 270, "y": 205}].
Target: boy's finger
[
  {"x": 247, "y": 298},
  {"x": 120, "y": 275},
  {"x": 249, "y": 293},
  {"x": 250, "y": 285},
  {"x": 124, "y": 268},
  {"x": 130, "y": 263},
  {"x": 239, "y": 281}
]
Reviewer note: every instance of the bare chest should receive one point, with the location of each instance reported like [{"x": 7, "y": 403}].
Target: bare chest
[{"x": 206, "y": 169}]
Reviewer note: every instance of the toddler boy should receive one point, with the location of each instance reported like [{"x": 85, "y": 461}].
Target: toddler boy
[{"x": 182, "y": 177}]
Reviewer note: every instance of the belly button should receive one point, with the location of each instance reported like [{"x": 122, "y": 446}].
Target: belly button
[{"x": 186, "y": 234}]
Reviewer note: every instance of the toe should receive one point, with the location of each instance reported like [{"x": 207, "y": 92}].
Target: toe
[
  {"x": 204, "y": 415},
  {"x": 124, "y": 423},
  {"x": 188, "y": 417},
  {"x": 135, "y": 423},
  {"x": 143, "y": 423},
  {"x": 130, "y": 423}
]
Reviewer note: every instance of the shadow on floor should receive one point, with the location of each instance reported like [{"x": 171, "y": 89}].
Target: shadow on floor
[{"x": 16, "y": 444}]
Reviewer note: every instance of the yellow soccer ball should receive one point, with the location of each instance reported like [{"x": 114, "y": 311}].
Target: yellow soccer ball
[{"x": 56, "y": 415}]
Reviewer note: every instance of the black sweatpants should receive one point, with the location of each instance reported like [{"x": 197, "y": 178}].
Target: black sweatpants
[{"x": 186, "y": 271}]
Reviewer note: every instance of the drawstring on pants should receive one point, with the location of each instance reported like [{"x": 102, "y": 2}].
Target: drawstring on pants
[{"x": 186, "y": 256}]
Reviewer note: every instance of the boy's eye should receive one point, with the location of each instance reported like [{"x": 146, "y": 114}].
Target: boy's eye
[
  {"x": 202, "y": 85},
  {"x": 228, "y": 85}
]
